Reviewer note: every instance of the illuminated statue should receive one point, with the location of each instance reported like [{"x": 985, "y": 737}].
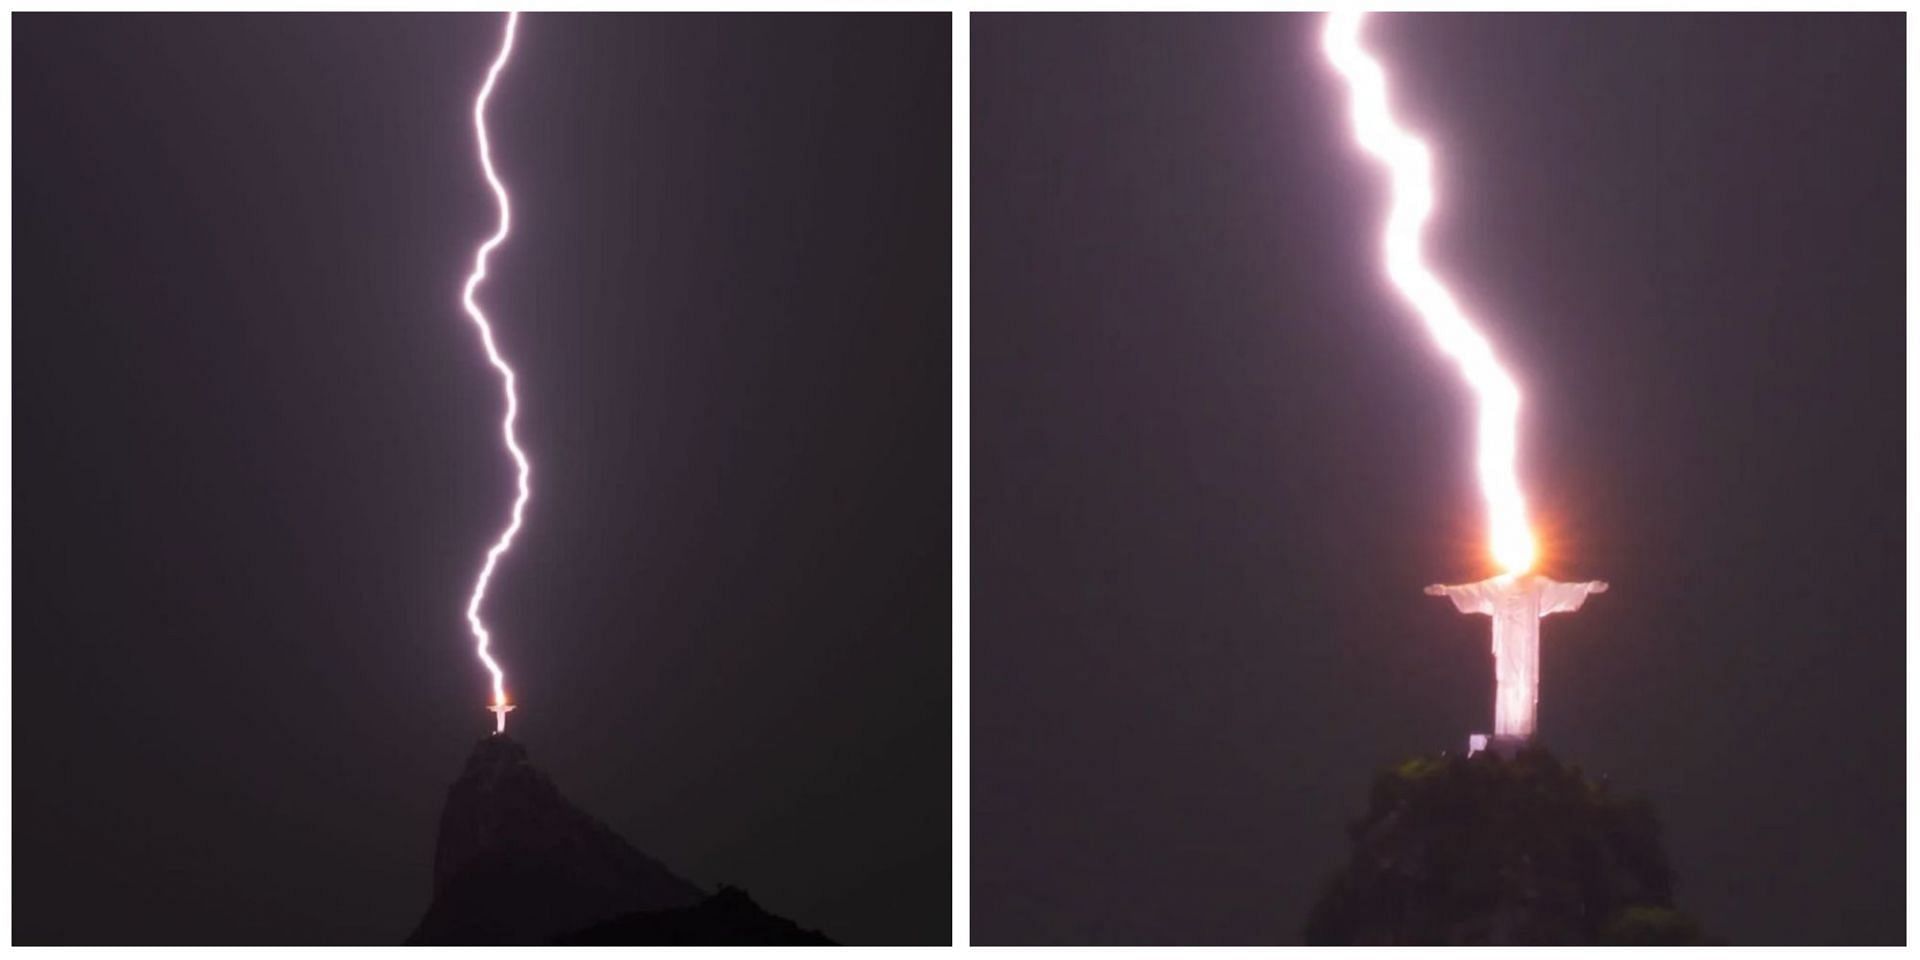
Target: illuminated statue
[{"x": 1516, "y": 604}]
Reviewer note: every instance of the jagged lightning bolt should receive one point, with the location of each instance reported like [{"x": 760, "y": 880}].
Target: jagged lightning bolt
[
  {"x": 482, "y": 639},
  {"x": 1407, "y": 158}
]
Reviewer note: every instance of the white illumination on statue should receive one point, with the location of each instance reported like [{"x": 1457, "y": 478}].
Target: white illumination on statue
[{"x": 1516, "y": 605}]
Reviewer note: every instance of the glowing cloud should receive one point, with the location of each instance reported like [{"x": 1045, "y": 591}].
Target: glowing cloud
[
  {"x": 483, "y": 639},
  {"x": 1409, "y": 162}
]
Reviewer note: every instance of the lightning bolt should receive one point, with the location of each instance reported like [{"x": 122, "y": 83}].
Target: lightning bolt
[
  {"x": 483, "y": 639},
  {"x": 1410, "y": 164}
]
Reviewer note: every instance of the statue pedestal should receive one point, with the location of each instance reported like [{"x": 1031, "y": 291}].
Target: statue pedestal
[{"x": 1504, "y": 747}]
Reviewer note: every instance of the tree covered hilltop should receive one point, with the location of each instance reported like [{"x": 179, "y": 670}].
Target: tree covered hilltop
[{"x": 1460, "y": 850}]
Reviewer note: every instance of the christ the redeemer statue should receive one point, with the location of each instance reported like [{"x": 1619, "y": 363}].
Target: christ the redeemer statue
[{"x": 1516, "y": 604}]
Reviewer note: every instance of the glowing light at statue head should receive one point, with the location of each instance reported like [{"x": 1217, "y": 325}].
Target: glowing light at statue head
[
  {"x": 1410, "y": 164},
  {"x": 482, "y": 638}
]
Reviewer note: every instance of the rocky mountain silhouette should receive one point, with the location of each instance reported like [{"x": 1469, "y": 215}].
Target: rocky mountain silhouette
[{"x": 516, "y": 863}]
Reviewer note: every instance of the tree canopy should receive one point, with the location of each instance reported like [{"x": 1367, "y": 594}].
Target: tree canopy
[{"x": 1492, "y": 850}]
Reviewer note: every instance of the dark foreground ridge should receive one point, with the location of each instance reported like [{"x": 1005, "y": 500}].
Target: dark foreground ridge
[
  {"x": 516, "y": 863},
  {"x": 728, "y": 918},
  {"x": 1484, "y": 850}
]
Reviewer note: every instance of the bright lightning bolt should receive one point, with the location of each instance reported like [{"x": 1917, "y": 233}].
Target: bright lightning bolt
[
  {"x": 1410, "y": 164},
  {"x": 482, "y": 639}
]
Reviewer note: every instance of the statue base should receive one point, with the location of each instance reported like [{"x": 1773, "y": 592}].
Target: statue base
[{"x": 1503, "y": 747}]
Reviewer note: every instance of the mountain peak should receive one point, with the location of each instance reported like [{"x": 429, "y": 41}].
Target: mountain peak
[{"x": 516, "y": 863}]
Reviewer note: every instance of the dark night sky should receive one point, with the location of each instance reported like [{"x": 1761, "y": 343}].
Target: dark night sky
[
  {"x": 257, "y": 460},
  {"x": 1215, "y": 459}
]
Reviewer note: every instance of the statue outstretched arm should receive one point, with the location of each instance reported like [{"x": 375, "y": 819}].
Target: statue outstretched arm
[
  {"x": 1467, "y": 598},
  {"x": 1567, "y": 597}
]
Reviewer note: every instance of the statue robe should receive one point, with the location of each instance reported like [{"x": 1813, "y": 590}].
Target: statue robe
[{"x": 1516, "y": 605}]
